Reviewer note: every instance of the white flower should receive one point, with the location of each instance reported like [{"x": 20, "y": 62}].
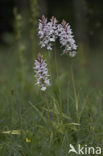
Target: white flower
[
  {"x": 43, "y": 88},
  {"x": 41, "y": 73},
  {"x": 66, "y": 39},
  {"x": 48, "y": 32}
]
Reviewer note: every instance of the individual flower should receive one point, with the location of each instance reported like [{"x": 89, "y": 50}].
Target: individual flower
[
  {"x": 41, "y": 73},
  {"x": 48, "y": 32},
  {"x": 66, "y": 39},
  {"x": 28, "y": 140}
]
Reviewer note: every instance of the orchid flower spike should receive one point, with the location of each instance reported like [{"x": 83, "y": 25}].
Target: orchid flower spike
[
  {"x": 67, "y": 39},
  {"x": 41, "y": 73},
  {"x": 48, "y": 32}
]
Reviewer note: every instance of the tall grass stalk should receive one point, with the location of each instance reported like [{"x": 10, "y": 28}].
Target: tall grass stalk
[{"x": 18, "y": 25}]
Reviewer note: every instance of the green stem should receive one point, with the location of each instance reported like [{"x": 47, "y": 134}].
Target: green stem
[
  {"x": 46, "y": 97},
  {"x": 55, "y": 61},
  {"x": 57, "y": 77},
  {"x": 75, "y": 92}
]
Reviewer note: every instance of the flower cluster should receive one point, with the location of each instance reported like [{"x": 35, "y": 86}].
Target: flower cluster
[
  {"x": 66, "y": 39},
  {"x": 41, "y": 73},
  {"x": 47, "y": 32}
]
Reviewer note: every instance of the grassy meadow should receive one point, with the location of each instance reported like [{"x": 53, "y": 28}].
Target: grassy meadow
[
  {"x": 36, "y": 123},
  {"x": 24, "y": 108}
]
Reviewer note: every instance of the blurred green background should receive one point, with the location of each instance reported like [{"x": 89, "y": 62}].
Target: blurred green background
[{"x": 84, "y": 16}]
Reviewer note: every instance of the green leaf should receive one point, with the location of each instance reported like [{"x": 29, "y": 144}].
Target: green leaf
[{"x": 38, "y": 111}]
